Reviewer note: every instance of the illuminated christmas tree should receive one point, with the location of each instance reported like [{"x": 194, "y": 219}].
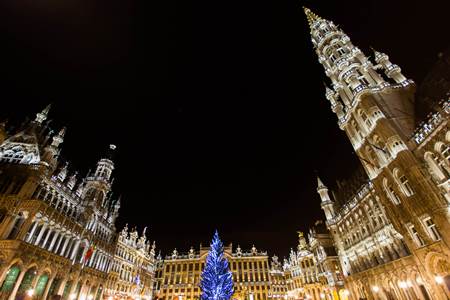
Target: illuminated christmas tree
[{"x": 217, "y": 280}]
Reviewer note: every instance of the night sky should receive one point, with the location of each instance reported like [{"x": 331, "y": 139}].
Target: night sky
[{"x": 217, "y": 107}]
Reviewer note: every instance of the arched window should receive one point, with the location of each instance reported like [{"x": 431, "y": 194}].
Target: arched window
[
  {"x": 431, "y": 229},
  {"x": 392, "y": 195},
  {"x": 403, "y": 183}
]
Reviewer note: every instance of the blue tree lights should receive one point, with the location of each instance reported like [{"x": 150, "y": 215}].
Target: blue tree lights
[{"x": 217, "y": 279}]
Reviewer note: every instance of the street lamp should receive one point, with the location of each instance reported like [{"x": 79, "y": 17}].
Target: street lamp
[
  {"x": 322, "y": 295},
  {"x": 375, "y": 289},
  {"x": 30, "y": 292}
]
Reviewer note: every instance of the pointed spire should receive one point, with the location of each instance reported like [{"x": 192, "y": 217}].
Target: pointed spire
[
  {"x": 329, "y": 94},
  {"x": 310, "y": 16},
  {"x": 72, "y": 181},
  {"x": 63, "y": 172},
  {"x": 320, "y": 184},
  {"x": 379, "y": 56},
  {"x": 42, "y": 116},
  {"x": 59, "y": 138}
]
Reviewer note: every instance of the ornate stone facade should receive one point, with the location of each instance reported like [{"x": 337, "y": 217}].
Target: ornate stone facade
[
  {"x": 57, "y": 232},
  {"x": 180, "y": 274},
  {"x": 132, "y": 273},
  {"x": 313, "y": 270},
  {"x": 392, "y": 235},
  {"x": 278, "y": 278}
]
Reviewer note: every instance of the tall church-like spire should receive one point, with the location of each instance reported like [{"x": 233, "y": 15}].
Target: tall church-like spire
[{"x": 353, "y": 76}]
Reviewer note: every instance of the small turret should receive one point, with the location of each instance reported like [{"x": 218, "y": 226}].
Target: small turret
[
  {"x": 336, "y": 105},
  {"x": 52, "y": 151},
  {"x": 63, "y": 172},
  {"x": 327, "y": 205},
  {"x": 99, "y": 184},
  {"x": 42, "y": 116},
  {"x": 72, "y": 181},
  {"x": 58, "y": 139},
  {"x": 153, "y": 249},
  {"x": 391, "y": 70},
  {"x": 105, "y": 166}
]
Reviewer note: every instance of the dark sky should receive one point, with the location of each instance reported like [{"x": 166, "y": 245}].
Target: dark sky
[{"x": 217, "y": 107}]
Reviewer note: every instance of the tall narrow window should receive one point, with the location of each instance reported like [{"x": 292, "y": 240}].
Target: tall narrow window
[
  {"x": 406, "y": 185},
  {"x": 391, "y": 194},
  {"x": 416, "y": 237},
  {"x": 432, "y": 230}
]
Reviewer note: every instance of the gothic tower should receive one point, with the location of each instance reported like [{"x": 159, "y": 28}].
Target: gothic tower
[
  {"x": 98, "y": 185},
  {"x": 374, "y": 105}
]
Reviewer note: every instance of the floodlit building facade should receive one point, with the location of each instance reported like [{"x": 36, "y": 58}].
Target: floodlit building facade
[
  {"x": 392, "y": 234},
  {"x": 181, "y": 274},
  {"x": 278, "y": 279},
  {"x": 57, "y": 232},
  {"x": 132, "y": 274},
  {"x": 313, "y": 270}
]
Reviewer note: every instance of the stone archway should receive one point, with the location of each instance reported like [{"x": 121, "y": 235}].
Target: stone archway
[
  {"x": 41, "y": 284},
  {"x": 438, "y": 265},
  {"x": 27, "y": 280},
  {"x": 10, "y": 280}
]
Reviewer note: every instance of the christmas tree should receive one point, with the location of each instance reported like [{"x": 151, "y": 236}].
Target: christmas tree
[{"x": 217, "y": 280}]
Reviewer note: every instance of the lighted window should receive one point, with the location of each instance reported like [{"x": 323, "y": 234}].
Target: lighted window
[
  {"x": 415, "y": 236},
  {"x": 393, "y": 195},
  {"x": 341, "y": 51},
  {"x": 432, "y": 230},
  {"x": 407, "y": 189}
]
